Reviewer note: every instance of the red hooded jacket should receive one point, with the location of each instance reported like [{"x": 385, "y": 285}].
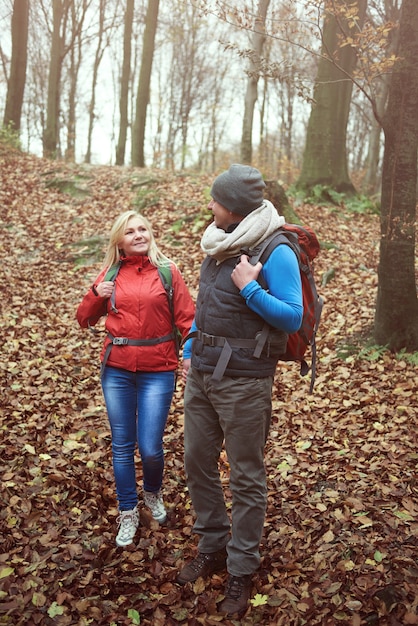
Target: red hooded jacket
[{"x": 142, "y": 313}]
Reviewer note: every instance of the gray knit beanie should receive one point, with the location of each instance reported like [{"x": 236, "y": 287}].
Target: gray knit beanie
[{"x": 239, "y": 189}]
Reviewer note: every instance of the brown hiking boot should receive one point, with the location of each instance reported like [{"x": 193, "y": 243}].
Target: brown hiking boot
[
  {"x": 205, "y": 564},
  {"x": 237, "y": 594}
]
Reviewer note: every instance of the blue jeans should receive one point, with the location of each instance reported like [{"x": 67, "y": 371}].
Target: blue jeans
[{"x": 137, "y": 405}]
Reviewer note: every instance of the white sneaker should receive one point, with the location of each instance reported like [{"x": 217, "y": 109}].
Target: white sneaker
[
  {"x": 154, "y": 501},
  {"x": 128, "y": 522}
]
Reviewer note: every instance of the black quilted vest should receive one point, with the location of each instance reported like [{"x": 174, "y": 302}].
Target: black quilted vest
[{"x": 222, "y": 312}]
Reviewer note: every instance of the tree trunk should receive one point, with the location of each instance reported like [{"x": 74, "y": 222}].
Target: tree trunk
[
  {"x": 253, "y": 76},
  {"x": 396, "y": 316},
  {"x": 370, "y": 183},
  {"x": 325, "y": 158},
  {"x": 75, "y": 61},
  {"x": 142, "y": 99},
  {"x": 50, "y": 138},
  {"x": 124, "y": 87},
  {"x": 17, "y": 78},
  {"x": 97, "y": 60}
]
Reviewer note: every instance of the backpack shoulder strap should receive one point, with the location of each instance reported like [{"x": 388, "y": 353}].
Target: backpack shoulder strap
[
  {"x": 111, "y": 274},
  {"x": 266, "y": 247},
  {"x": 166, "y": 277},
  {"x": 164, "y": 272}
]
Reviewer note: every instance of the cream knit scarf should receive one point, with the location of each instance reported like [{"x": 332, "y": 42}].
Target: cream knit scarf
[{"x": 253, "y": 229}]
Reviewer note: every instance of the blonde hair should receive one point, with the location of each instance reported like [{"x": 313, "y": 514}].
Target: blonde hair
[{"x": 117, "y": 231}]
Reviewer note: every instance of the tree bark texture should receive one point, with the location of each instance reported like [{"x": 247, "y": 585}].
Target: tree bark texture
[
  {"x": 370, "y": 183},
  {"x": 325, "y": 158},
  {"x": 142, "y": 99},
  {"x": 396, "y": 316},
  {"x": 74, "y": 67},
  {"x": 50, "y": 137},
  {"x": 101, "y": 45},
  {"x": 17, "y": 78},
  {"x": 124, "y": 88},
  {"x": 252, "y": 82}
]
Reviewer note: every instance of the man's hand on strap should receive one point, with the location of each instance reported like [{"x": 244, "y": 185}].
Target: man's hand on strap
[{"x": 243, "y": 273}]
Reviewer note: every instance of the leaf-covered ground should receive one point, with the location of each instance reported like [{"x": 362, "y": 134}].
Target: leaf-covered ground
[{"x": 341, "y": 534}]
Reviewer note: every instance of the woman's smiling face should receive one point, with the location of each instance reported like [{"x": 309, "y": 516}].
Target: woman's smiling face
[{"x": 136, "y": 239}]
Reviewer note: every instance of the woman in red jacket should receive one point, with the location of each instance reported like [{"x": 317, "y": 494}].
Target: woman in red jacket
[{"x": 139, "y": 359}]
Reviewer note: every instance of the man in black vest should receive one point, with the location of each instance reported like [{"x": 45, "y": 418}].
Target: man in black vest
[{"x": 239, "y": 332}]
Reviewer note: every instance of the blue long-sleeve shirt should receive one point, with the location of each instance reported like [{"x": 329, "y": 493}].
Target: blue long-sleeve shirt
[{"x": 281, "y": 304}]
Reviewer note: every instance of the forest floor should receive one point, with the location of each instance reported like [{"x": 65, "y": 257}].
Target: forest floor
[{"x": 340, "y": 543}]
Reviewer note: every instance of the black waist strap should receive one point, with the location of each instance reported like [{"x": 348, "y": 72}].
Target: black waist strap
[
  {"x": 126, "y": 341},
  {"x": 227, "y": 344}
]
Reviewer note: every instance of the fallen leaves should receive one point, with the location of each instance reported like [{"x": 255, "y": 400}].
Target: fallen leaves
[{"x": 341, "y": 533}]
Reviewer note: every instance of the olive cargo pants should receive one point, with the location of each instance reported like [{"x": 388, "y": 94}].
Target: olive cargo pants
[{"x": 238, "y": 411}]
